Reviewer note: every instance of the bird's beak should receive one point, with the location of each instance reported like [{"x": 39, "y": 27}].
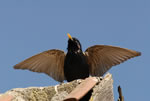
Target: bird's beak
[{"x": 69, "y": 36}]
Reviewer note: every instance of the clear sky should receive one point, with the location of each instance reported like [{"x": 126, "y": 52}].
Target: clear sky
[{"x": 28, "y": 27}]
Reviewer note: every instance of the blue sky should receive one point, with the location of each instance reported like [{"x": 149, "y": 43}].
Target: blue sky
[{"x": 28, "y": 27}]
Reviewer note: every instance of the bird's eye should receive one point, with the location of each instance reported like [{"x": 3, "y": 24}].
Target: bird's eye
[{"x": 76, "y": 41}]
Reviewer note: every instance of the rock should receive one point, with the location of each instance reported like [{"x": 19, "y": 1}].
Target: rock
[{"x": 102, "y": 91}]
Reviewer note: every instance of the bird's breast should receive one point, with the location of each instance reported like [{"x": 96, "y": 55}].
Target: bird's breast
[{"x": 75, "y": 66}]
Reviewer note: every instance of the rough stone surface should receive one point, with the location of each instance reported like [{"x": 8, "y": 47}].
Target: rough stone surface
[{"x": 103, "y": 91}]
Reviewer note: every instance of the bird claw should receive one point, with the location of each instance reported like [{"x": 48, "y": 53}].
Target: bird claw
[{"x": 99, "y": 78}]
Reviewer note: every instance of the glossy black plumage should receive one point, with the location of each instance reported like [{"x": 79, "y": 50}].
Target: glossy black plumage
[{"x": 75, "y": 66}]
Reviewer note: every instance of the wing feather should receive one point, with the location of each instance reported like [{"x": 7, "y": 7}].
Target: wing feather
[
  {"x": 102, "y": 57},
  {"x": 50, "y": 62}
]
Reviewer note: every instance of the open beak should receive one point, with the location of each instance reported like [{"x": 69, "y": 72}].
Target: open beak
[{"x": 69, "y": 36}]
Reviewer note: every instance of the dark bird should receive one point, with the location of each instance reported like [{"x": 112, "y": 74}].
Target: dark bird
[{"x": 76, "y": 64}]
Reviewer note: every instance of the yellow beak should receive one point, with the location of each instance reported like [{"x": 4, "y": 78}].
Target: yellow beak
[{"x": 69, "y": 36}]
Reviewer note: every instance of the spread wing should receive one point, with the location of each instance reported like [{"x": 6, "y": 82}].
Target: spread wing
[
  {"x": 102, "y": 57},
  {"x": 50, "y": 62}
]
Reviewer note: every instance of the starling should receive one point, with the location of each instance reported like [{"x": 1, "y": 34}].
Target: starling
[{"x": 76, "y": 64}]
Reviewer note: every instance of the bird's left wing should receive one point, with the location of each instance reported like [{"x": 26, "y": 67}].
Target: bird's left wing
[
  {"x": 50, "y": 62},
  {"x": 102, "y": 57}
]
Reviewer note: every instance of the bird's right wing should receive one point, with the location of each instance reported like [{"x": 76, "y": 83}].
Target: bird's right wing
[
  {"x": 102, "y": 57},
  {"x": 50, "y": 62}
]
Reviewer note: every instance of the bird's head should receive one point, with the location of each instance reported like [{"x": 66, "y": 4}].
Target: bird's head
[{"x": 73, "y": 44}]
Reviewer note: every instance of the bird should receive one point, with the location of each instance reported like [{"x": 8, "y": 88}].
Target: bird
[{"x": 75, "y": 64}]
